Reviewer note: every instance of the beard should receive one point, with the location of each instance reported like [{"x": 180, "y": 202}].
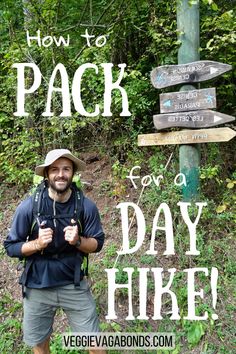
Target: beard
[{"x": 57, "y": 188}]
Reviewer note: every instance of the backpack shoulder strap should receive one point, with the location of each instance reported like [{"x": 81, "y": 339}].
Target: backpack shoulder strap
[
  {"x": 79, "y": 207},
  {"x": 37, "y": 202},
  {"x": 37, "y": 198}
]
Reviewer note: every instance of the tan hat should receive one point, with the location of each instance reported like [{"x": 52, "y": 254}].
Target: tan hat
[{"x": 53, "y": 155}]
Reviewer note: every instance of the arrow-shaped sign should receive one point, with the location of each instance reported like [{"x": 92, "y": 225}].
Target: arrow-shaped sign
[
  {"x": 187, "y": 137},
  {"x": 188, "y": 100},
  {"x": 191, "y": 119},
  {"x": 202, "y": 70}
]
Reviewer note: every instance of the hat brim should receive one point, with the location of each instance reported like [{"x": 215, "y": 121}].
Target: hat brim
[{"x": 79, "y": 164}]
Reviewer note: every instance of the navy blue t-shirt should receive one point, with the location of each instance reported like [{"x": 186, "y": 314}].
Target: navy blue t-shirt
[{"x": 46, "y": 271}]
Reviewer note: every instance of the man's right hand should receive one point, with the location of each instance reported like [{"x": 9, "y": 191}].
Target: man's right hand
[{"x": 45, "y": 237}]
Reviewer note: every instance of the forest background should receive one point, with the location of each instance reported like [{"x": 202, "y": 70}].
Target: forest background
[{"x": 142, "y": 34}]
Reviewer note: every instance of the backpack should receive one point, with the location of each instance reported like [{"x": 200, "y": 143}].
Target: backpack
[
  {"x": 36, "y": 213},
  {"x": 77, "y": 215},
  {"x": 37, "y": 204}
]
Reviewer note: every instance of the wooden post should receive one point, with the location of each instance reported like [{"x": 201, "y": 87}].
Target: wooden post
[{"x": 188, "y": 29}]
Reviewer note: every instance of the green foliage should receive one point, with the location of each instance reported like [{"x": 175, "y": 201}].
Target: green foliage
[
  {"x": 195, "y": 331},
  {"x": 218, "y": 31},
  {"x": 209, "y": 172},
  {"x": 10, "y": 326},
  {"x": 119, "y": 171},
  {"x": 142, "y": 34},
  {"x": 139, "y": 35},
  {"x": 17, "y": 151}
]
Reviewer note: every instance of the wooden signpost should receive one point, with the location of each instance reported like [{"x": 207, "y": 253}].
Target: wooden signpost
[
  {"x": 191, "y": 119},
  {"x": 188, "y": 108},
  {"x": 188, "y": 100},
  {"x": 202, "y": 70},
  {"x": 187, "y": 137}
]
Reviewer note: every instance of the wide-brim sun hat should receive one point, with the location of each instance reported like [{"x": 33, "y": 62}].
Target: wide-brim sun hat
[{"x": 56, "y": 154}]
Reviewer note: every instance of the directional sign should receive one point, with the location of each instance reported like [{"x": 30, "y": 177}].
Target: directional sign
[
  {"x": 191, "y": 119},
  {"x": 187, "y": 100},
  {"x": 168, "y": 75},
  {"x": 187, "y": 137}
]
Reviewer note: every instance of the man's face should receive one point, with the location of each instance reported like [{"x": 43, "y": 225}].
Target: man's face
[{"x": 60, "y": 175}]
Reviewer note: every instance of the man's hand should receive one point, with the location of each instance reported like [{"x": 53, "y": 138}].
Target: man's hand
[
  {"x": 71, "y": 234},
  {"x": 44, "y": 237}
]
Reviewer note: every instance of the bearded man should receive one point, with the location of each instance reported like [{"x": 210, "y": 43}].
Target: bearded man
[{"x": 53, "y": 231}]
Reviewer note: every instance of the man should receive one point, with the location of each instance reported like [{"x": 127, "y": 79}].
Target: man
[{"x": 54, "y": 246}]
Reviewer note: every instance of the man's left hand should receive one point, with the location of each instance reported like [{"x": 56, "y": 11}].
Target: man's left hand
[{"x": 71, "y": 234}]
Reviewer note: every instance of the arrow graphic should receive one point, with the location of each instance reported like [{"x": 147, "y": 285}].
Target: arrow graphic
[
  {"x": 191, "y": 119},
  {"x": 217, "y": 119},
  {"x": 167, "y": 103}
]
